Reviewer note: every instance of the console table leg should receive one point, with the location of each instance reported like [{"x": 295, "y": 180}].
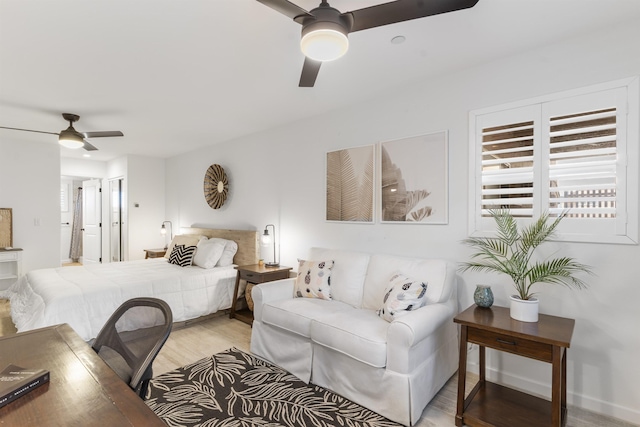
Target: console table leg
[
  {"x": 563, "y": 403},
  {"x": 462, "y": 374},
  {"x": 556, "y": 387}
]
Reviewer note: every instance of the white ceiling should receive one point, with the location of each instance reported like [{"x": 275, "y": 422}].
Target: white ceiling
[{"x": 175, "y": 75}]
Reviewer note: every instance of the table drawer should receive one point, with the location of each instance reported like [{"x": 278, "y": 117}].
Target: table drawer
[
  {"x": 510, "y": 344},
  {"x": 8, "y": 256},
  {"x": 256, "y": 278}
]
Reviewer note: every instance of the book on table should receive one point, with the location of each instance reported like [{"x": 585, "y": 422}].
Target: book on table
[{"x": 16, "y": 381}]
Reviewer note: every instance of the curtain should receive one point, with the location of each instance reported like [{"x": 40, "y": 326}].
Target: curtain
[{"x": 75, "y": 251}]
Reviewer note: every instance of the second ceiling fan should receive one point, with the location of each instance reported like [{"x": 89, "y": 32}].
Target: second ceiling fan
[
  {"x": 70, "y": 137},
  {"x": 325, "y": 29}
]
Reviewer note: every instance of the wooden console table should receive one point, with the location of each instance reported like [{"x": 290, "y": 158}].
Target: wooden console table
[
  {"x": 83, "y": 389},
  {"x": 490, "y": 404},
  {"x": 255, "y": 274}
]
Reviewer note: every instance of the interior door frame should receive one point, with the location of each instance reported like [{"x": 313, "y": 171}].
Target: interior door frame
[{"x": 123, "y": 252}]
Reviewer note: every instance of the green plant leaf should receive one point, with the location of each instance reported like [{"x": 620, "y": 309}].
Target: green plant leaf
[{"x": 511, "y": 251}]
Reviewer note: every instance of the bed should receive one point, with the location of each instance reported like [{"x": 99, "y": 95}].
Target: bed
[{"x": 85, "y": 297}]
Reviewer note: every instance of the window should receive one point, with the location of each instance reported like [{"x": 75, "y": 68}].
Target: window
[{"x": 575, "y": 151}]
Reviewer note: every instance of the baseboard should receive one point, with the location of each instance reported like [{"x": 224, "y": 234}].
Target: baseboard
[{"x": 543, "y": 389}]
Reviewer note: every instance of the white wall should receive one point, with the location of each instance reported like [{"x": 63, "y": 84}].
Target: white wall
[
  {"x": 30, "y": 185},
  {"x": 146, "y": 204},
  {"x": 278, "y": 177},
  {"x": 83, "y": 167}
]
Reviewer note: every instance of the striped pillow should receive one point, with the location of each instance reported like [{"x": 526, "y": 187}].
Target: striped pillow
[{"x": 182, "y": 255}]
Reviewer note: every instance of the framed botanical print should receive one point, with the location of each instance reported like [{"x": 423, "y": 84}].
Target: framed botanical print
[
  {"x": 414, "y": 180},
  {"x": 350, "y": 185}
]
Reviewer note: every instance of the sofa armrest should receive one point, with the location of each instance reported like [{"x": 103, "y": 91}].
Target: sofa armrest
[
  {"x": 271, "y": 291},
  {"x": 411, "y": 338}
]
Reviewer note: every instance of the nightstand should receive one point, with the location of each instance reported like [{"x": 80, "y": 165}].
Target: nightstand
[
  {"x": 490, "y": 404},
  {"x": 10, "y": 266},
  {"x": 154, "y": 253},
  {"x": 254, "y": 274}
]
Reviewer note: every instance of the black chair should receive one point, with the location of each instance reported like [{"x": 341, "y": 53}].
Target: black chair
[{"x": 132, "y": 338}]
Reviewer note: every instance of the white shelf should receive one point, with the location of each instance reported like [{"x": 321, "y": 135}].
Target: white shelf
[{"x": 10, "y": 267}]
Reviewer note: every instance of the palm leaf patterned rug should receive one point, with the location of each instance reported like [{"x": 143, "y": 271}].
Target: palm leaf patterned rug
[{"x": 233, "y": 388}]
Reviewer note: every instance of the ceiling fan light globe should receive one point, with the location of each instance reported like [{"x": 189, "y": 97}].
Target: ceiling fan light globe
[
  {"x": 71, "y": 139},
  {"x": 324, "y": 44}
]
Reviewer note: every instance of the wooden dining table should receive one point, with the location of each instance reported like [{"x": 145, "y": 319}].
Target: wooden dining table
[{"x": 82, "y": 391}]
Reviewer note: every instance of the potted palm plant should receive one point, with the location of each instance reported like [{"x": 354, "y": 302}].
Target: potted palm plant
[{"x": 511, "y": 253}]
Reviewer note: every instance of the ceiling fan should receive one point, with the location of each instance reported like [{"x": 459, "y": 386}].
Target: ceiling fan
[
  {"x": 70, "y": 137},
  {"x": 325, "y": 29}
]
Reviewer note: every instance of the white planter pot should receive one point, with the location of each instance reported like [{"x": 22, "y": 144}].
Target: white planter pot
[{"x": 524, "y": 310}]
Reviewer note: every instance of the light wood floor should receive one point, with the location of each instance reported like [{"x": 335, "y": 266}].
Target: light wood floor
[{"x": 187, "y": 344}]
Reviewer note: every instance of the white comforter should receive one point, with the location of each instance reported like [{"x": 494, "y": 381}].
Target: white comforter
[{"x": 85, "y": 297}]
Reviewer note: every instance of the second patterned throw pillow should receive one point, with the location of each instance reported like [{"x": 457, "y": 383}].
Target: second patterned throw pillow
[
  {"x": 402, "y": 295},
  {"x": 314, "y": 279}
]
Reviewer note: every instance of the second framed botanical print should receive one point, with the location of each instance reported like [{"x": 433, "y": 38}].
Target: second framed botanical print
[
  {"x": 350, "y": 184},
  {"x": 414, "y": 180}
]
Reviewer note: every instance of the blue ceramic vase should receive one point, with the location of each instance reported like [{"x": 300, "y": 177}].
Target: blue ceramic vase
[{"x": 483, "y": 296}]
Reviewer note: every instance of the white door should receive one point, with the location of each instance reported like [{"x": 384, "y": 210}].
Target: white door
[{"x": 91, "y": 222}]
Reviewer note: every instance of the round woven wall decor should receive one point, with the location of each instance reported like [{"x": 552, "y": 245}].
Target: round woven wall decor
[{"x": 216, "y": 186}]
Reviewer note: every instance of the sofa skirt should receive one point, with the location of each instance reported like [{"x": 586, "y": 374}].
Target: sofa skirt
[
  {"x": 399, "y": 397},
  {"x": 291, "y": 352}
]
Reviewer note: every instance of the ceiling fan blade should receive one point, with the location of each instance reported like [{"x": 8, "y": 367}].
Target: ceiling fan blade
[
  {"x": 403, "y": 10},
  {"x": 285, "y": 7},
  {"x": 309, "y": 72},
  {"x": 88, "y": 146},
  {"x": 102, "y": 134},
  {"x": 30, "y": 130}
]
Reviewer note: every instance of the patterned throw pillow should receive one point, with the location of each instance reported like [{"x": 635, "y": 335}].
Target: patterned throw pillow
[
  {"x": 402, "y": 295},
  {"x": 182, "y": 255},
  {"x": 314, "y": 279}
]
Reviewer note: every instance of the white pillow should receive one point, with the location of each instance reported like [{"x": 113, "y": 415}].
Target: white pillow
[
  {"x": 402, "y": 295},
  {"x": 230, "y": 249},
  {"x": 314, "y": 279},
  {"x": 182, "y": 239},
  {"x": 208, "y": 253}
]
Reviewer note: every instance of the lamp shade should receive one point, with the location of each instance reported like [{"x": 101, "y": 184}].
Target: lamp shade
[
  {"x": 266, "y": 237},
  {"x": 70, "y": 138},
  {"x": 324, "y": 41},
  {"x": 266, "y": 240}
]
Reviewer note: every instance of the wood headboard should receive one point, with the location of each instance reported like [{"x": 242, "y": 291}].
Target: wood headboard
[{"x": 247, "y": 240}]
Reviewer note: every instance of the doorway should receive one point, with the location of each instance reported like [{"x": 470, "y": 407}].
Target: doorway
[{"x": 80, "y": 201}]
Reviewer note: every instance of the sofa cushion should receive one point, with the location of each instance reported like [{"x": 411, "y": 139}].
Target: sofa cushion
[
  {"x": 438, "y": 273},
  {"x": 348, "y": 273},
  {"x": 314, "y": 279},
  {"x": 295, "y": 315},
  {"x": 357, "y": 333},
  {"x": 402, "y": 295}
]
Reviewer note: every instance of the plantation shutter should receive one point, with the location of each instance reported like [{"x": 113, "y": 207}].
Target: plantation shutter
[
  {"x": 585, "y": 166},
  {"x": 508, "y": 151}
]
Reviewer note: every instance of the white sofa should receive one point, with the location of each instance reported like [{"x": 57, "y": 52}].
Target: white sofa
[{"x": 393, "y": 368}]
